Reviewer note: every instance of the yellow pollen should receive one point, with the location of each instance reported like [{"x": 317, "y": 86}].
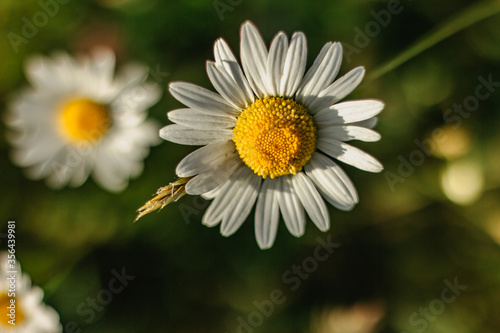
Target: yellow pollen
[
  {"x": 5, "y": 302},
  {"x": 84, "y": 120},
  {"x": 275, "y": 136}
]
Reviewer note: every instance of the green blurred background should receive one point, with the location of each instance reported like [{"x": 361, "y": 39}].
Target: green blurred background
[{"x": 440, "y": 220}]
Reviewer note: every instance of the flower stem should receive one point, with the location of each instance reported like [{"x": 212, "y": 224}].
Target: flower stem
[{"x": 467, "y": 17}]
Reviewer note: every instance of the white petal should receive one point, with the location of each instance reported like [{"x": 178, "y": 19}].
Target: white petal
[
  {"x": 295, "y": 65},
  {"x": 368, "y": 123},
  {"x": 93, "y": 82},
  {"x": 254, "y": 58},
  {"x": 337, "y": 90},
  {"x": 205, "y": 158},
  {"x": 226, "y": 194},
  {"x": 276, "y": 61},
  {"x": 331, "y": 181},
  {"x": 51, "y": 164},
  {"x": 103, "y": 63},
  {"x": 306, "y": 81},
  {"x": 106, "y": 171},
  {"x": 135, "y": 76},
  {"x": 81, "y": 172},
  {"x": 23, "y": 117},
  {"x": 201, "y": 99},
  {"x": 311, "y": 200},
  {"x": 224, "y": 56},
  {"x": 348, "y": 112},
  {"x": 212, "y": 194},
  {"x": 130, "y": 104},
  {"x": 200, "y": 120},
  {"x": 321, "y": 74},
  {"x": 38, "y": 72},
  {"x": 194, "y": 137},
  {"x": 267, "y": 214},
  {"x": 349, "y": 154},
  {"x": 290, "y": 206},
  {"x": 225, "y": 85},
  {"x": 213, "y": 178},
  {"x": 39, "y": 148},
  {"x": 346, "y": 133},
  {"x": 56, "y": 180},
  {"x": 131, "y": 75},
  {"x": 54, "y": 74},
  {"x": 240, "y": 207}
]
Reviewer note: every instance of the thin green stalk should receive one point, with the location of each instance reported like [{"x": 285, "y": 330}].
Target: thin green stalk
[{"x": 467, "y": 17}]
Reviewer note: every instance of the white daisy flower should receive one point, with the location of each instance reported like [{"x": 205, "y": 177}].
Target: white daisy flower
[
  {"x": 271, "y": 135},
  {"x": 26, "y": 311},
  {"x": 78, "y": 119}
]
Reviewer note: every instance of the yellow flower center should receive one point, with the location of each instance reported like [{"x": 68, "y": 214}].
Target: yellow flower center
[
  {"x": 275, "y": 136},
  {"x": 84, "y": 120},
  {"x": 5, "y": 312}
]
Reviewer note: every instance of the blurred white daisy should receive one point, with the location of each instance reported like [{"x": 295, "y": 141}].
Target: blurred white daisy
[
  {"x": 270, "y": 135},
  {"x": 29, "y": 313},
  {"x": 77, "y": 119}
]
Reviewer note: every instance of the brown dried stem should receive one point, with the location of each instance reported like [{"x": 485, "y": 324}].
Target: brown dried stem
[{"x": 165, "y": 195}]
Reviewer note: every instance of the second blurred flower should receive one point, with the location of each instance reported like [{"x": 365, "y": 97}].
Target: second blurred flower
[{"x": 79, "y": 119}]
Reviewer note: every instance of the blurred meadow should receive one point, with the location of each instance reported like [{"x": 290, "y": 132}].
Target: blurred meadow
[{"x": 419, "y": 253}]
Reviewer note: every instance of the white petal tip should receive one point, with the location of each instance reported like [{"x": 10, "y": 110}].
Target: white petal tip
[
  {"x": 297, "y": 234},
  {"x": 226, "y": 233},
  {"x": 265, "y": 246},
  {"x": 378, "y": 104},
  {"x": 324, "y": 228},
  {"x": 248, "y": 23},
  {"x": 376, "y": 167},
  {"x": 209, "y": 224},
  {"x": 164, "y": 133}
]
